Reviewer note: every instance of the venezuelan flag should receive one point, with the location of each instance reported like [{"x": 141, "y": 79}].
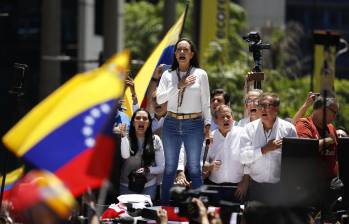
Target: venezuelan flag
[
  {"x": 11, "y": 179},
  {"x": 163, "y": 54},
  {"x": 60, "y": 133}
]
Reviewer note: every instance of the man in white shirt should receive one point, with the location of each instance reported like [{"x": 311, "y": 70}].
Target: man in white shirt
[
  {"x": 224, "y": 166},
  {"x": 218, "y": 97},
  {"x": 260, "y": 146}
]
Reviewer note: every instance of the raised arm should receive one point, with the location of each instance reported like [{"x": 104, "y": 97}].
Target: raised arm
[{"x": 303, "y": 109}]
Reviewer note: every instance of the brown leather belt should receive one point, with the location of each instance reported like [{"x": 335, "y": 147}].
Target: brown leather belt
[{"x": 184, "y": 116}]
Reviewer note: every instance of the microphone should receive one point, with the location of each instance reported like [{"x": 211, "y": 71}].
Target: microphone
[{"x": 207, "y": 144}]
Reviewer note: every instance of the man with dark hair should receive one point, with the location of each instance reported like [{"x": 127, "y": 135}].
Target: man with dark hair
[
  {"x": 218, "y": 97},
  {"x": 260, "y": 146},
  {"x": 221, "y": 94}
]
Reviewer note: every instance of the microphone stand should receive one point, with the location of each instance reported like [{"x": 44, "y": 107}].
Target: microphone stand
[{"x": 16, "y": 93}]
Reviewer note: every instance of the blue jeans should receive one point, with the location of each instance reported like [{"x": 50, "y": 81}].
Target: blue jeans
[
  {"x": 151, "y": 191},
  {"x": 191, "y": 133}
]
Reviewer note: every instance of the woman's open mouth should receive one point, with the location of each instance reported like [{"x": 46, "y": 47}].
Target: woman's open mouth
[
  {"x": 140, "y": 127},
  {"x": 182, "y": 57}
]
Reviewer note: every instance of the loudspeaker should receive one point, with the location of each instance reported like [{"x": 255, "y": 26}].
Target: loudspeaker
[{"x": 301, "y": 182}]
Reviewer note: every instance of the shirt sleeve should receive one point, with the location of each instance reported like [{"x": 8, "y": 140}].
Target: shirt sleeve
[
  {"x": 205, "y": 98},
  {"x": 164, "y": 89},
  {"x": 125, "y": 148},
  {"x": 159, "y": 157},
  {"x": 248, "y": 153},
  {"x": 303, "y": 129}
]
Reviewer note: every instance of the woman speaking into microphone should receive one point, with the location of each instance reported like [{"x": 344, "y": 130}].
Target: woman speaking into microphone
[{"x": 185, "y": 88}]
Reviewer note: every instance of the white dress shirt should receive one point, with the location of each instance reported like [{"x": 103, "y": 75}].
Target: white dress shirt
[
  {"x": 244, "y": 121},
  {"x": 134, "y": 162},
  {"x": 227, "y": 150},
  {"x": 196, "y": 96},
  {"x": 263, "y": 168}
]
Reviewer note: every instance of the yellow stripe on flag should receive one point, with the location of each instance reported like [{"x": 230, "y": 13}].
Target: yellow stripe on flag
[{"x": 143, "y": 77}]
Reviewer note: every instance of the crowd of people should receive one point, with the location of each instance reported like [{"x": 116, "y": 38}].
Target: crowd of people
[
  {"x": 201, "y": 143},
  {"x": 187, "y": 136}
]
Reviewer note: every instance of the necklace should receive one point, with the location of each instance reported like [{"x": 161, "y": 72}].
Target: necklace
[
  {"x": 181, "y": 92},
  {"x": 267, "y": 136}
]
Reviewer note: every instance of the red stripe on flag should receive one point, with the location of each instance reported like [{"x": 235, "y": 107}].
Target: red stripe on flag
[
  {"x": 74, "y": 174},
  {"x": 102, "y": 159},
  {"x": 90, "y": 168}
]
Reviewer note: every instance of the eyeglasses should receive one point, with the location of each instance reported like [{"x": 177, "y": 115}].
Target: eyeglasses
[
  {"x": 251, "y": 101},
  {"x": 265, "y": 105}
]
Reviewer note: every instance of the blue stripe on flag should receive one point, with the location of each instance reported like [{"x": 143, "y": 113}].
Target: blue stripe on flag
[
  {"x": 167, "y": 55},
  {"x": 72, "y": 138}
]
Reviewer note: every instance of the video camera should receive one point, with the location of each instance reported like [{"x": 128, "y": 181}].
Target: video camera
[
  {"x": 182, "y": 198},
  {"x": 256, "y": 46}
]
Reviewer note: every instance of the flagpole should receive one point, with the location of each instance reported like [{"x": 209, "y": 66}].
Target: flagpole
[
  {"x": 3, "y": 181},
  {"x": 185, "y": 17}
]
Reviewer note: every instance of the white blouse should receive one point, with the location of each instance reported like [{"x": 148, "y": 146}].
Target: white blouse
[
  {"x": 196, "y": 97},
  {"x": 134, "y": 162}
]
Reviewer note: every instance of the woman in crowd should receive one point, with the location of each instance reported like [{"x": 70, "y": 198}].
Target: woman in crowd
[
  {"x": 143, "y": 155},
  {"x": 185, "y": 88}
]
